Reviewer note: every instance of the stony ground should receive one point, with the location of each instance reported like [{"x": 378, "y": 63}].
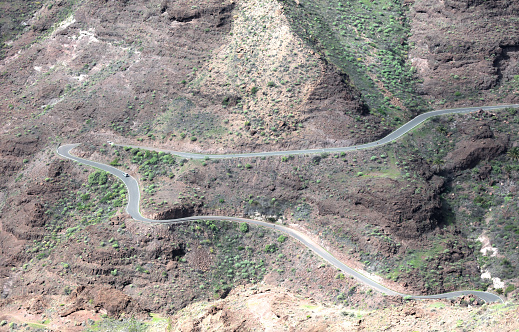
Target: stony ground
[{"x": 250, "y": 76}]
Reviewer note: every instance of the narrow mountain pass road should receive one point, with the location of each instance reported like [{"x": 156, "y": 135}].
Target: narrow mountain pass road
[
  {"x": 388, "y": 139},
  {"x": 134, "y": 199}
]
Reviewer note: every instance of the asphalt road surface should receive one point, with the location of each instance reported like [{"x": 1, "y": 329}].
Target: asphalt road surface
[
  {"x": 389, "y": 138},
  {"x": 134, "y": 198}
]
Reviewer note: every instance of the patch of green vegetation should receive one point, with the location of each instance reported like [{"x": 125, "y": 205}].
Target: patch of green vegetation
[
  {"x": 479, "y": 199},
  {"x": 309, "y": 306},
  {"x": 368, "y": 41},
  {"x": 391, "y": 172},
  {"x": 90, "y": 205},
  {"x": 235, "y": 261},
  {"x": 437, "y": 305},
  {"x": 181, "y": 118},
  {"x": 118, "y": 325},
  {"x": 430, "y": 265},
  {"x": 152, "y": 163},
  {"x": 37, "y": 326}
]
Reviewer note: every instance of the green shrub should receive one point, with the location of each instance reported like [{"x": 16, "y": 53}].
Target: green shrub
[
  {"x": 244, "y": 227},
  {"x": 115, "y": 162},
  {"x": 97, "y": 178},
  {"x": 282, "y": 238},
  {"x": 510, "y": 288},
  {"x": 271, "y": 248}
]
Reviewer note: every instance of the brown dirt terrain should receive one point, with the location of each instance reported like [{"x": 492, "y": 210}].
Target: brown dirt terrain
[
  {"x": 355, "y": 203},
  {"x": 125, "y": 267},
  {"x": 232, "y": 76},
  {"x": 466, "y": 51},
  {"x": 278, "y": 310}
]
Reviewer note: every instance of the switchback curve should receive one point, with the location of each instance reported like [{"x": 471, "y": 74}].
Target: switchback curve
[{"x": 134, "y": 198}]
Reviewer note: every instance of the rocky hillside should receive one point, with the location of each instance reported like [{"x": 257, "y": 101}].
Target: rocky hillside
[{"x": 436, "y": 211}]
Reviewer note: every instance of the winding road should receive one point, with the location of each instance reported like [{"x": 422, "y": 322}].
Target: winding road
[
  {"x": 134, "y": 198},
  {"x": 389, "y": 138}
]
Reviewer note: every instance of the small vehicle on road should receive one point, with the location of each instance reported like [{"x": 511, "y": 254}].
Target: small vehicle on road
[{"x": 125, "y": 175}]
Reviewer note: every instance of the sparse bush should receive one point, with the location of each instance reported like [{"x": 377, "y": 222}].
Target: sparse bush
[
  {"x": 510, "y": 288},
  {"x": 97, "y": 178},
  {"x": 270, "y": 248},
  {"x": 115, "y": 162},
  {"x": 244, "y": 227}
]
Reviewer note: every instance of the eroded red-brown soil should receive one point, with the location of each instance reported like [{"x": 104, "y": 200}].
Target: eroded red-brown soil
[
  {"x": 466, "y": 51},
  {"x": 189, "y": 76}
]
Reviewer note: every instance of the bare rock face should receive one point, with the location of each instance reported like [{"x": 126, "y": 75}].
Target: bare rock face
[
  {"x": 12, "y": 150},
  {"x": 111, "y": 300},
  {"x": 179, "y": 211},
  {"x": 331, "y": 105},
  {"x": 36, "y": 214},
  {"x": 335, "y": 93},
  {"x": 468, "y": 153},
  {"x": 504, "y": 5},
  {"x": 456, "y": 58},
  {"x": 19, "y": 146},
  {"x": 37, "y": 305},
  {"x": 404, "y": 213},
  {"x": 8, "y": 167},
  {"x": 482, "y": 132},
  {"x": 480, "y": 145}
]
